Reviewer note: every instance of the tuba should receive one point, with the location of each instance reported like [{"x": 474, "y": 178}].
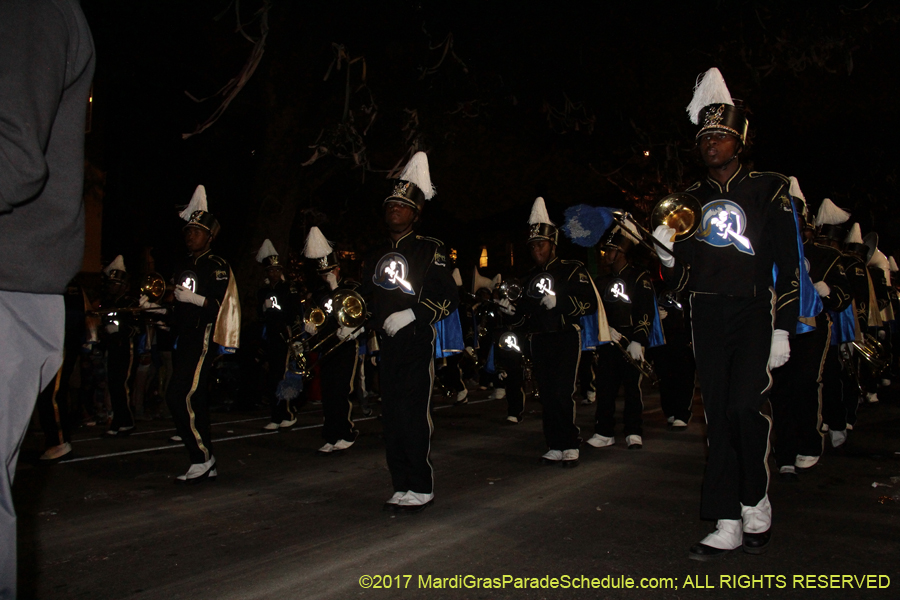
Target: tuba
[{"x": 872, "y": 352}]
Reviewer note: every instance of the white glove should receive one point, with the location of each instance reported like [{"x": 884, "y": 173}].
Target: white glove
[
  {"x": 663, "y": 313},
  {"x": 615, "y": 335},
  {"x": 664, "y": 235},
  {"x": 506, "y": 307},
  {"x": 470, "y": 351},
  {"x": 332, "y": 280},
  {"x": 848, "y": 348},
  {"x": 549, "y": 301},
  {"x": 112, "y": 327},
  {"x": 349, "y": 333},
  {"x": 781, "y": 349},
  {"x": 144, "y": 302},
  {"x": 636, "y": 351},
  {"x": 398, "y": 320},
  {"x": 268, "y": 303},
  {"x": 822, "y": 288},
  {"x": 882, "y": 334},
  {"x": 310, "y": 328},
  {"x": 182, "y": 294}
]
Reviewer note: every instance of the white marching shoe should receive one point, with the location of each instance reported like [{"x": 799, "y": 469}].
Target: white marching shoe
[
  {"x": 199, "y": 472},
  {"x": 757, "y": 526},
  {"x": 601, "y": 441},
  {"x": 805, "y": 462},
  {"x": 634, "y": 442},
  {"x": 837, "y": 438},
  {"x": 498, "y": 394},
  {"x": 728, "y": 536}
]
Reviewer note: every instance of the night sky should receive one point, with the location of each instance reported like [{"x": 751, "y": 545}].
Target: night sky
[{"x": 819, "y": 79}]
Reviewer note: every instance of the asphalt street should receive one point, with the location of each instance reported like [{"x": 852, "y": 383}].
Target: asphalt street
[{"x": 282, "y": 521}]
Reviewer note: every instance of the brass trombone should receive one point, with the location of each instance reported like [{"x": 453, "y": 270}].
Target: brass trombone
[
  {"x": 680, "y": 212},
  {"x": 348, "y": 307},
  {"x": 644, "y": 367}
]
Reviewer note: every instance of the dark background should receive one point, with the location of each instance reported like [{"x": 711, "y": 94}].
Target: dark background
[{"x": 510, "y": 101}]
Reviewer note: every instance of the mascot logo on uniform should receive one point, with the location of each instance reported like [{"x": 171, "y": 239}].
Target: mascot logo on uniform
[
  {"x": 616, "y": 292},
  {"x": 723, "y": 224},
  {"x": 188, "y": 279},
  {"x": 392, "y": 273},
  {"x": 509, "y": 341},
  {"x": 541, "y": 285}
]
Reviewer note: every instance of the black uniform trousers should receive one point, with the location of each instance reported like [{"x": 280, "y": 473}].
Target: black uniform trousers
[
  {"x": 796, "y": 396},
  {"x": 119, "y": 363},
  {"x": 587, "y": 373},
  {"x": 407, "y": 375},
  {"x": 732, "y": 341},
  {"x": 674, "y": 364},
  {"x": 187, "y": 396},
  {"x": 338, "y": 371},
  {"x": 53, "y": 403},
  {"x": 614, "y": 371},
  {"x": 834, "y": 411},
  {"x": 511, "y": 364},
  {"x": 556, "y": 356},
  {"x": 277, "y": 358},
  {"x": 450, "y": 374}
]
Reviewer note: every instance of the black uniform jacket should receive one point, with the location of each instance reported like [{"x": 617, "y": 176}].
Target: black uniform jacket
[
  {"x": 629, "y": 302},
  {"x": 409, "y": 273},
  {"x": 858, "y": 277},
  {"x": 285, "y": 309},
  {"x": 206, "y": 275},
  {"x": 824, "y": 263},
  {"x": 746, "y": 227},
  {"x": 575, "y": 297}
]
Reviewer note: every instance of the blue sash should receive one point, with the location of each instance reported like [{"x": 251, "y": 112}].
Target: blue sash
[
  {"x": 590, "y": 332},
  {"x": 448, "y": 339}
]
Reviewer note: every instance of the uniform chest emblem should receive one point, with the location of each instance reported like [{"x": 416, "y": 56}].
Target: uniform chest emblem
[
  {"x": 188, "y": 279},
  {"x": 542, "y": 285},
  {"x": 723, "y": 224},
  {"x": 615, "y": 292},
  {"x": 392, "y": 273},
  {"x": 509, "y": 341},
  {"x": 327, "y": 305},
  {"x": 274, "y": 300}
]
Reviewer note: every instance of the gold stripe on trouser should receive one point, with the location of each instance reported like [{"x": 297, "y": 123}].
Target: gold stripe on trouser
[
  {"x": 193, "y": 389},
  {"x": 56, "y": 384},
  {"x": 352, "y": 380},
  {"x": 127, "y": 377},
  {"x": 820, "y": 385}
]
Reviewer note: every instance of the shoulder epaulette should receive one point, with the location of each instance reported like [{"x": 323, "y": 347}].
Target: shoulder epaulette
[
  {"x": 218, "y": 259},
  {"x": 694, "y": 187},
  {"x": 430, "y": 239},
  {"x": 577, "y": 263},
  {"x": 755, "y": 174}
]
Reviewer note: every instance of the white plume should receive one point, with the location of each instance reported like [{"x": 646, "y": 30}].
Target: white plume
[
  {"x": 709, "y": 89},
  {"x": 829, "y": 214},
  {"x": 893, "y": 264},
  {"x": 198, "y": 202},
  {"x": 265, "y": 251},
  {"x": 316, "y": 244},
  {"x": 855, "y": 235},
  {"x": 416, "y": 171},
  {"x": 457, "y": 278},
  {"x": 539, "y": 212},
  {"x": 118, "y": 264},
  {"x": 796, "y": 192}
]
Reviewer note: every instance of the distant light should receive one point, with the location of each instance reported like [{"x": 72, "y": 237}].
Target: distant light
[
  {"x": 646, "y": 153},
  {"x": 483, "y": 261},
  {"x": 453, "y": 254}
]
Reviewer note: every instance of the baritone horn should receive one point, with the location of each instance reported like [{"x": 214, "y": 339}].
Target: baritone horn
[
  {"x": 154, "y": 287},
  {"x": 644, "y": 367}
]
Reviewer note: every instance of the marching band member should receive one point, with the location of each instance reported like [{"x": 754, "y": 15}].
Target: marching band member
[
  {"x": 338, "y": 369},
  {"x": 117, "y": 338},
  {"x": 207, "y": 319},
  {"x": 796, "y": 395},
  {"x": 630, "y": 306},
  {"x": 278, "y": 307},
  {"x": 408, "y": 288},
  {"x": 558, "y": 293},
  {"x": 741, "y": 319}
]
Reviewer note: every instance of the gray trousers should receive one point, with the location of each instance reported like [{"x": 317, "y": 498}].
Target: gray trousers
[{"x": 32, "y": 331}]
